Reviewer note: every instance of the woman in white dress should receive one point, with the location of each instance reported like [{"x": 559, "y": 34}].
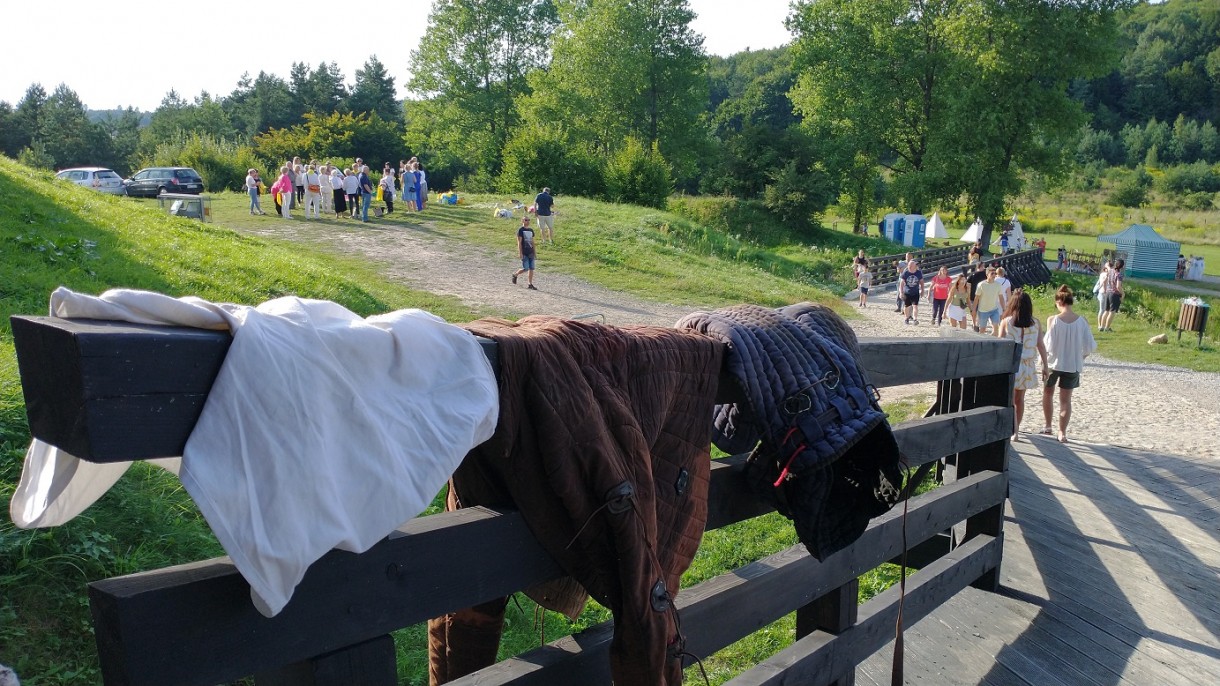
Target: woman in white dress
[{"x": 1020, "y": 325}]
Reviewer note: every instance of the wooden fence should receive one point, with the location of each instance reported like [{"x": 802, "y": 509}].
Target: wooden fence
[
  {"x": 117, "y": 391},
  {"x": 885, "y": 271}
]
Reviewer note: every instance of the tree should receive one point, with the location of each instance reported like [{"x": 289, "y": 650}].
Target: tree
[
  {"x": 326, "y": 90},
  {"x": 66, "y": 131},
  {"x": 374, "y": 92},
  {"x": 953, "y": 96},
  {"x": 27, "y": 119},
  {"x": 10, "y": 137},
  {"x": 472, "y": 62},
  {"x": 335, "y": 137},
  {"x": 259, "y": 105},
  {"x": 879, "y": 74},
  {"x": 626, "y": 69}
]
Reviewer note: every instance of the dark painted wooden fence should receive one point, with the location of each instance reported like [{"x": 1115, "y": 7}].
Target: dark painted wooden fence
[{"x": 117, "y": 391}]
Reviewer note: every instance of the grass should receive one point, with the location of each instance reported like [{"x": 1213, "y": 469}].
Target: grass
[
  {"x": 706, "y": 252},
  {"x": 55, "y": 234}
]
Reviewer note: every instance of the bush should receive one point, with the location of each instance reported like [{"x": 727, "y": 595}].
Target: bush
[
  {"x": 637, "y": 174},
  {"x": 36, "y": 156},
  {"x": 222, "y": 164},
  {"x": 1190, "y": 178},
  {"x": 796, "y": 195},
  {"x": 535, "y": 158}
]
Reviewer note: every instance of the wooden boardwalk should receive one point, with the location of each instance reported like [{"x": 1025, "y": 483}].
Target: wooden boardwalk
[{"x": 1111, "y": 575}]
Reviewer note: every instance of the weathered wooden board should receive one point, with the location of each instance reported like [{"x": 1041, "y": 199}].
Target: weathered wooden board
[
  {"x": 722, "y": 610},
  {"x": 821, "y": 658},
  {"x": 168, "y": 626},
  {"x": 109, "y": 392}
]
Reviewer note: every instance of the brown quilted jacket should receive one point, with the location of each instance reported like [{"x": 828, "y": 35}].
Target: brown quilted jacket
[{"x": 602, "y": 444}]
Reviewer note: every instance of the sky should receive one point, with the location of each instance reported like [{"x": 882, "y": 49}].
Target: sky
[{"x": 113, "y": 58}]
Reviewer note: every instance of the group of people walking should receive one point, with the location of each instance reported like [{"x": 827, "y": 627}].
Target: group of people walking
[
  {"x": 347, "y": 192},
  {"x": 1051, "y": 357}
]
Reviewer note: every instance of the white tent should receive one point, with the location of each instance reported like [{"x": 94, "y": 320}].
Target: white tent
[
  {"x": 936, "y": 228},
  {"x": 975, "y": 232},
  {"x": 1016, "y": 235}
]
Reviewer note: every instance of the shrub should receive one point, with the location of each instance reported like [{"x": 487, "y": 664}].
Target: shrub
[
  {"x": 36, "y": 156},
  {"x": 638, "y": 174},
  {"x": 796, "y": 195},
  {"x": 221, "y": 163},
  {"x": 535, "y": 158},
  {"x": 1190, "y": 178}
]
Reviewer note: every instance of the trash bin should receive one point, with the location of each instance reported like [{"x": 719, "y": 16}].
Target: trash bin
[{"x": 1193, "y": 317}]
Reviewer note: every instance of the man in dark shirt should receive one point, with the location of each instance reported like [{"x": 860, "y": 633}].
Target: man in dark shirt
[
  {"x": 911, "y": 283},
  {"x": 546, "y": 219},
  {"x": 525, "y": 250}
]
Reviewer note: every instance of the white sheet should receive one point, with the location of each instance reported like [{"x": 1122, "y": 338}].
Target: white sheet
[{"x": 322, "y": 430}]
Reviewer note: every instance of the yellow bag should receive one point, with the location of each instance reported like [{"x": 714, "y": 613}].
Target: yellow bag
[{"x": 379, "y": 192}]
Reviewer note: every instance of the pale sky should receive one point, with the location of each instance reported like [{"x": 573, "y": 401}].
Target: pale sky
[{"x": 112, "y": 57}]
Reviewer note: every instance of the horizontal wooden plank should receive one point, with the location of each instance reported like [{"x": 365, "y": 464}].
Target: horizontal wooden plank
[
  {"x": 167, "y": 626},
  {"x": 109, "y": 391},
  {"x": 822, "y": 658},
  {"x": 900, "y": 361},
  {"x": 720, "y": 611}
]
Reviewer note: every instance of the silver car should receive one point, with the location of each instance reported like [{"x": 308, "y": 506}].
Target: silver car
[{"x": 97, "y": 178}]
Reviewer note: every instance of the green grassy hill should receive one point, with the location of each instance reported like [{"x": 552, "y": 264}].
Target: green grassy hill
[{"x": 54, "y": 234}]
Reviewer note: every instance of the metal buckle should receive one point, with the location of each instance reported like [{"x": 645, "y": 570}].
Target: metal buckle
[{"x": 797, "y": 403}]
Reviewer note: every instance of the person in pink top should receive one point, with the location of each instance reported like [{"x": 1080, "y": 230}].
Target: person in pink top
[
  {"x": 940, "y": 294},
  {"x": 284, "y": 186}
]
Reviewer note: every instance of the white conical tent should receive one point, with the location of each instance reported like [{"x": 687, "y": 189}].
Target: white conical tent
[
  {"x": 975, "y": 232},
  {"x": 936, "y": 228},
  {"x": 1016, "y": 235}
]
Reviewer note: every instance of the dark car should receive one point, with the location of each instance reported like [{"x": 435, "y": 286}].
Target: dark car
[{"x": 154, "y": 181}]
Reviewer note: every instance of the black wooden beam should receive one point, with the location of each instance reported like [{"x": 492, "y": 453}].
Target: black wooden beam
[
  {"x": 821, "y": 658},
  {"x": 722, "y": 610},
  {"x": 110, "y": 392}
]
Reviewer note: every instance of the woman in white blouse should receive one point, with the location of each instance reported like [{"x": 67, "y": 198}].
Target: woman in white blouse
[{"x": 1068, "y": 341}]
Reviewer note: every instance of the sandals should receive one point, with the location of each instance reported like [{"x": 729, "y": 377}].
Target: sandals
[{"x": 1046, "y": 431}]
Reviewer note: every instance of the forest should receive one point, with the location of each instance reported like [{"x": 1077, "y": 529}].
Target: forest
[{"x": 910, "y": 104}]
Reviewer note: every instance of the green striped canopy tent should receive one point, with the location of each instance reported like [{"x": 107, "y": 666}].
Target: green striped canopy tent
[{"x": 1148, "y": 254}]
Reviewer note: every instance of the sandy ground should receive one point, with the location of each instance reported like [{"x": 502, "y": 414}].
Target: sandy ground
[
  {"x": 1144, "y": 406},
  {"x": 1149, "y": 407}
]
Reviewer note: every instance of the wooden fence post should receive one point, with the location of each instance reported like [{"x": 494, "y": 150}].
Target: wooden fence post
[
  {"x": 982, "y": 391},
  {"x": 834, "y": 612}
]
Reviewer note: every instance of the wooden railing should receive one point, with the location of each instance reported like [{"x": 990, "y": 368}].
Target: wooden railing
[
  {"x": 116, "y": 391},
  {"x": 885, "y": 271}
]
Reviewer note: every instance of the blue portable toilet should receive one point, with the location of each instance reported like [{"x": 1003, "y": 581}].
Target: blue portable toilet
[
  {"x": 917, "y": 228},
  {"x": 889, "y": 227},
  {"x": 900, "y": 230}
]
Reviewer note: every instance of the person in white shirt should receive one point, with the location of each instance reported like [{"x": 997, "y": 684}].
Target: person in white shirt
[
  {"x": 327, "y": 189},
  {"x": 252, "y": 182},
  {"x": 339, "y": 195},
  {"x": 1068, "y": 340},
  {"x": 313, "y": 193},
  {"x": 351, "y": 187},
  {"x": 1006, "y": 286}
]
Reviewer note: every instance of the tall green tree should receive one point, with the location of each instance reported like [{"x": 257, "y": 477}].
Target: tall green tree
[
  {"x": 953, "y": 96},
  {"x": 66, "y": 131},
  {"x": 472, "y": 64},
  {"x": 259, "y": 104},
  {"x": 374, "y": 93},
  {"x": 326, "y": 91},
  {"x": 627, "y": 69},
  {"x": 27, "y": 119},
  {"x": 880, "y": 74}
]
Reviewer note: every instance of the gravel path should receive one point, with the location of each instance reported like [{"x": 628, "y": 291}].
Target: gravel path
[
  {"x": 1144, "y": 406},
  {"x": 1149, "y": 407}
]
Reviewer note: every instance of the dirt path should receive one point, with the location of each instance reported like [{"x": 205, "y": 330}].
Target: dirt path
[
  {"x": 424, "y": 257},
  {"x": 1149, "y": 407}
]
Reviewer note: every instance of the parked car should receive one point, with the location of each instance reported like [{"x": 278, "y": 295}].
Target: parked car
[
  {"x": 154, "y": 181},
  {"x": 97, "y": 178}
]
